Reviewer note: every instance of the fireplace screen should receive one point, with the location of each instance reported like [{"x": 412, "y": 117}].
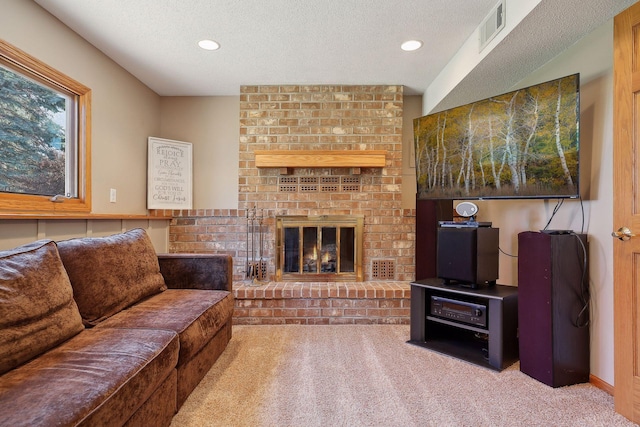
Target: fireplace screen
[{"x": 324, "y": 248}]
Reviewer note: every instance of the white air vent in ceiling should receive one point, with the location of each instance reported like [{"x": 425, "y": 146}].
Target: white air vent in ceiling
[{"x": 492, "y": 24}]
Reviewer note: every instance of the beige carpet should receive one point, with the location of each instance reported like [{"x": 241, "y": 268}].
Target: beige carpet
[{"x": 367, "y": 375}]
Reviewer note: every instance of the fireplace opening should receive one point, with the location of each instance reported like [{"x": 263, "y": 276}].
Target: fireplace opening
[{"x": 319, "y": 248}]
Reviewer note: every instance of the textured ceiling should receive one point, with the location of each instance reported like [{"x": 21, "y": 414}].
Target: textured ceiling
[
  {"x": 321, "y": 41},
  {"x": 552, "y": 27}
]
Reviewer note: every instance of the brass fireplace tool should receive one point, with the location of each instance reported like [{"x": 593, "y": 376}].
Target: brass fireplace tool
[{"x": 256, "y": 267}]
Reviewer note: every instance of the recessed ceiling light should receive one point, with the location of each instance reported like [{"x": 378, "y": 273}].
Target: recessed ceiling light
[
  {"x": 411, "y": 45},
  {"x": 209, "y": 45}
]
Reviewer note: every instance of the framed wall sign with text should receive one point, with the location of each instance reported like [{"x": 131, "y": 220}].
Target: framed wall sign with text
[{"x": 169, "y": 170}]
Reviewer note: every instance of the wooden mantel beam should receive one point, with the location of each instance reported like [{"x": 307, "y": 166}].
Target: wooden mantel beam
[{"x": 320, "y": 158}]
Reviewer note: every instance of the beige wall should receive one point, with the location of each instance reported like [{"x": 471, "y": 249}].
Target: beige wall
[
  {"x": 412, "y": 110},
  {"x": 211, "y": 124},
  {"x": 124, "y": 114}
]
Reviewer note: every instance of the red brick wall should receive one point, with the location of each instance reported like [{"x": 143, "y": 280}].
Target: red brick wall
[
  {"x": 224, "y": 231},
  {"x": 329, "y": 117}
]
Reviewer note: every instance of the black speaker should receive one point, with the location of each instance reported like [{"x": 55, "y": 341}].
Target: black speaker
[
  {"x": 468, "y": 254},
  {"x": 553, "y": 315}
]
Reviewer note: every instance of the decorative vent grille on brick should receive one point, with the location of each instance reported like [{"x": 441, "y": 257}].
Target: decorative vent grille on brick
[
  {"x": 328, "y": 184},
  {"x": 308, "y": 180},
  {"x": 351, "y": 180},
  {"x": 329, "y": 188},
  {"x": 288, "y": 184},
  {"x": 330, "y": 180},
  {"x": 288, "y": 180},
  {"x": 383, "y": 269},
  {"x": 289, "y": 188},
  {"x": 351, "y": 184}
]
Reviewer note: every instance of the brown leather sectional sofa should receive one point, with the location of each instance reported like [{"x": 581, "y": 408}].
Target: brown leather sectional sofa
[{"x": 104, "y": 332}]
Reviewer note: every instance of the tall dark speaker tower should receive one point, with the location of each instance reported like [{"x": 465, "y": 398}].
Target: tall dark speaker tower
[
  {"x": 553, "y": 315},
  {"x": 428, "y": 214}
]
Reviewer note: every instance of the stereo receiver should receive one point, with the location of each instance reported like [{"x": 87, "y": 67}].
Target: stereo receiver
[{"x": 460, "y": 311}]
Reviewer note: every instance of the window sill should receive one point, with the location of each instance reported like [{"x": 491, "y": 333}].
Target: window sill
[{"x": 88, "y": 216}]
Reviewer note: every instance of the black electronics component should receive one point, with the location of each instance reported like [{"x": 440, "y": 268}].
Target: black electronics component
[
  {"x": 468, "y": 254},
  {"x": 460, "y": 311}
]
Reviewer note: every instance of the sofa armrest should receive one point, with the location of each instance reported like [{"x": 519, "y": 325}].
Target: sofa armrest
[{"x": 197, "y": 271}]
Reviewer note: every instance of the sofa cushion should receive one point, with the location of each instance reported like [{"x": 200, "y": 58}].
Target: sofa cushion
[
  {"x": 98, "y": 378},
  {"x": 196, "y": 315},
  {"x": 111, "y": 273},
  {"x": 37, "y": 310}
]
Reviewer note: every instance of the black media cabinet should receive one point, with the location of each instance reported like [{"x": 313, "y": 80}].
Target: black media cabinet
[{"x": 494, "y": 346}]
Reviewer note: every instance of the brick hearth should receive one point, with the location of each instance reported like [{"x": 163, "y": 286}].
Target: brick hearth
[{"x": 322, "y": 303}]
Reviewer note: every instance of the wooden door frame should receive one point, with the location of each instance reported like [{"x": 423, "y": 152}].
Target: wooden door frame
[{"x": 626, "y": 264}]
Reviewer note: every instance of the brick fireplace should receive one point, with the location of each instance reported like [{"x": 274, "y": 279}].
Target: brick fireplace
[
  {"x": 335, "y": 118},
  {"x": 325, "y": 118}
]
